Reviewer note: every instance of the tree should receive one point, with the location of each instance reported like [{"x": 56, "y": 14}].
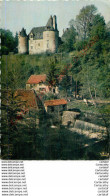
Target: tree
[
  {"x": 75, "y": 70},
  {"x": 98, "y": 27},
  {"x": 85, "y": 19},
  {"x": 89, "y": 80},
  {"x": 94, "y": 72},
  {"x": 68, "y": 39},
  {"x": 80, "y": 44},
  {"x": 52, "y": 76},
  {"x": 16, "y": 43},
  {"x": 9, "y": 130},
  {"x": 66, "y": 82},
  {"x": 9, "y": 42}
]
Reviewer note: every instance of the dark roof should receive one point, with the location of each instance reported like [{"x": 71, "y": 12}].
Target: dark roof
[
  {"x": 50, "y": 22},
  {"x": 23, "y": 32},
  {"x": 38, "y": 32},
  {"x": 49, "y": 25}
]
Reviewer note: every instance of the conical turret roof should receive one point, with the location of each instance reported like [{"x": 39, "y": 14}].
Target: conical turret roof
[
  {"x": 49, "y": 24},
  {"x": 23, "y": 32}
]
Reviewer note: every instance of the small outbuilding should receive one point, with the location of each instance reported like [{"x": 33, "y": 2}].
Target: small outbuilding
[{"x": 55, "y": 106}]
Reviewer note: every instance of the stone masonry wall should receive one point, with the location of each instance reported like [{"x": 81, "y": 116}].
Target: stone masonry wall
[{"x": 22, "y": 45}]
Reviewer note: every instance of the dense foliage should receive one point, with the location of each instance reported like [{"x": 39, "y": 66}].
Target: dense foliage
[{"x": 9, "y": 42}]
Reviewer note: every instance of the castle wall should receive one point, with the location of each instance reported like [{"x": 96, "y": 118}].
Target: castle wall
[
  {"x": 56, "y": 40},
  {"x": 36, "y": 46},
  {"x": 49, "y": 38},
  {"x": 22, "y": 45},
  {"x": 48, "y": 43}
]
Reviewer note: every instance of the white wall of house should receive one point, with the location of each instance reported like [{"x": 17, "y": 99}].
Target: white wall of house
[
  {"x": 38, "y": 87},
  {"x": 42, "y": 87}
]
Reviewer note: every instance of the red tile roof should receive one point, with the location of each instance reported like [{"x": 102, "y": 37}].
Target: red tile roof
[
  {"x": 27, "y": 98},
  {"x": 55, "y": 102},
  {"x": 36, "y": 79}
]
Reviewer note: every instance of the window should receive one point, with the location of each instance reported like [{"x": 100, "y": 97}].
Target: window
[
  {"x": 31, "y": 47},
  {"x": 31, "y": 36},
  {"x": 47, "y": 43},
  {"x": 38, "y": 44},
  {"x": 53, "y": 90}
]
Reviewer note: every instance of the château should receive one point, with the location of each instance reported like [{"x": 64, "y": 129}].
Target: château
[{"x": 40, "y": 39}]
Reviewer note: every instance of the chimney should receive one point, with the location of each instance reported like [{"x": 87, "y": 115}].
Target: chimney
[{"x": 55, "y": 22}]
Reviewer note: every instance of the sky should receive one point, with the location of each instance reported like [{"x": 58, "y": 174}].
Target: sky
[{"x": 16, "y": 14}]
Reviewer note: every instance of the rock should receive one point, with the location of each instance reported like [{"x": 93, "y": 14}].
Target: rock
[{"x": 69, "y": 117}]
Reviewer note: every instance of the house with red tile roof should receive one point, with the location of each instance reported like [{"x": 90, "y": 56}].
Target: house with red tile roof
[
  {"x": 55, "y": 106},
  {"x": 29, "y": 105},
  {"x": 39, "y": 84}
]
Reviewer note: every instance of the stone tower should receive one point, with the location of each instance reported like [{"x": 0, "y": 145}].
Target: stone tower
[
  {"x": 22, "y": 42},
  {"x": 51, "y": 35}
]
